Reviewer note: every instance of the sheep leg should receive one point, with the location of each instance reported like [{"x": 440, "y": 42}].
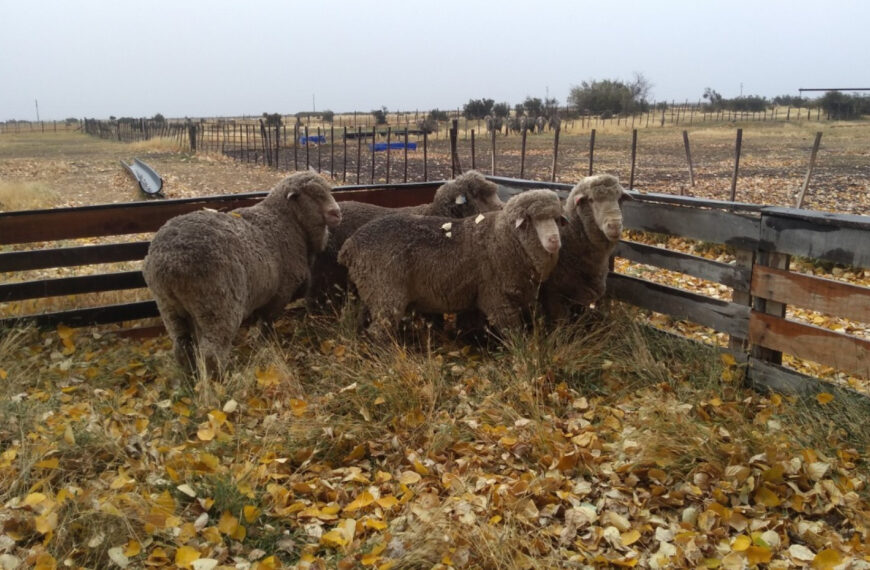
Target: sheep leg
[
  {"x": 385, "y": 317},
  {"x": 503, "y": 315},
  {"x": 215, "y": 334},
  {"x": 178, "y": 327}
]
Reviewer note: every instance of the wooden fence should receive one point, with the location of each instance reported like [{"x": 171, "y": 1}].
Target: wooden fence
[{"x": 763, "y": 240}]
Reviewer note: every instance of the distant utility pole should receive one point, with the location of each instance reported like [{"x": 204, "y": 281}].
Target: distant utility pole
[
  {"x": 313, "y": 106},
  {"x": 37, "y": 109},
  {"x": 741, "y": 89}
]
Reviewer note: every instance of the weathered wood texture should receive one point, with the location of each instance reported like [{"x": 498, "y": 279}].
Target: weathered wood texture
[
  {"x": 814, "y": 343},
  {"x": 71, "y": 286},
  {"x": 695, "y": 266},
  {"x": 106, "y": 314},
  {"x": 72, "y": 256},
  {"x": 715, "y": 226},
  {"x": 720, "y": 315},
  {"x": 833, "y": 237},
  {"x": 814, "y": 293}
]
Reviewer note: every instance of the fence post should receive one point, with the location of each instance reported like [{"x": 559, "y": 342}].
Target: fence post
[
  {"x": 492, "y": 136},
  {"x": 633, "y": 157},
  {"x": 744, "y": 258},
  {"x": 591, "y": 150},
  {"x": 374, "y": 138},
  {"x": 278, "y": 146},
  {"x": 800, "y": 199},
  {"x": 296, "y": 146},
  {"x": 777, "y": 261},
  {"x": 332, "y": 150},
  {"x": 307, "y": 148},
  {"x": 473, "y": 158},
  {"x": 689, "y": 160},
  {"x": 556, "y": 151},
  {"x": 425, "y": 156},
  {"x": 737, "y": 146},
  {"x": 191, "y": 134},
  {"x": 358, "y": 149},
  {"x": 319, "y": 146},
  {"x": 523, "y": 156},
  {"x": 389, "y": 136},
  {"x": 344, "y": 170},
  {"x": 405, "y": 174}
]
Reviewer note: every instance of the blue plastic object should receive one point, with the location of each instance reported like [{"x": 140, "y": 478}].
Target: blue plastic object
[
  {"x": 314, "y": 139},
  {"x": 377, "y": 147}
]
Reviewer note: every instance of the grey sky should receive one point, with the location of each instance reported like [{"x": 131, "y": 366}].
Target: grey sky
[{"x": 97, "y": 58}]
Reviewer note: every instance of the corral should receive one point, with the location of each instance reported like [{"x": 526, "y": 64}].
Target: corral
[{"x": 602, "y": 443}]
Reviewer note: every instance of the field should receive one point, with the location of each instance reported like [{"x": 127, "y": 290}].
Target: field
[{"x": 601, "y": 444}]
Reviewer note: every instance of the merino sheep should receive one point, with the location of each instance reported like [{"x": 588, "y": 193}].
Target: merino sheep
[
  {"x": 209, "y": 270},
  {"x": 466, "y": 195},
  {"x": 539, "y": 124},
  {"x": 593, "y": 228},
  {"x": 494, "y": 262}
]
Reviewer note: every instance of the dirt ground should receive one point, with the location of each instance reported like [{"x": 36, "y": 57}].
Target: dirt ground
[{"x": 70, "y": 169}]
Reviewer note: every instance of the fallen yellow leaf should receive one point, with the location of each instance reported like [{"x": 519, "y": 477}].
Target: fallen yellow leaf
[
  {"x": 363, "y": 500},
  {"x": 630, "y": 537},
  {"x": 827, "y": 559},
  {"x": 741, "y": 543},
  {"x": 185, "y": 555},
  {"x": 824, "y": 398},
  {"x": 228, "y": 523}
]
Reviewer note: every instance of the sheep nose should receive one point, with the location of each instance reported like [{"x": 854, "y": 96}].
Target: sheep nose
[
  {"x": 333, "y": 217},
  {"x": 613, "y": 229},
  {"x": 554, "y": 242}
]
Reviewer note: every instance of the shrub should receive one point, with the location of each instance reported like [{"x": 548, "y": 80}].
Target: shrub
[
  {"x": 501, "y": 109},
  {"x": 841, "y": 106},
  {"x": 477, "y": 108},
  {"x": 272, "y": 119},
  {"x": 436, "y": 115},
  {"x": 327, "y": 116},
  {"x": 380, "y": 116},
  {"x": 611, "y": 95}
]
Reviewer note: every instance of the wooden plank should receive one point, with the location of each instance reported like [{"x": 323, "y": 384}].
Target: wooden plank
[
  {"x": 722, "y": 316},
  {"x": 833, "y": 237},
  {"x": 814, "y": 293},
  {"x": 699, "y": 267},
  {"x": 72, "y": 256},
  {"x": 145, "y": 217},
  {"x": 738, "y": 230},
  {"x": 71, "y": 286},
  {"x": 763, "y": 375},
  {"x": 90, "y": 316},
  {"x": 840, "y": 351}
]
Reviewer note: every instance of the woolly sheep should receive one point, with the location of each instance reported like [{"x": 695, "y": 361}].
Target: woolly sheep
[
  {"x": 494, "y": 262},
  {"x": 539, "y": 124},
  {"x": 593, "y": 228},
  {"x": 210, "y": 270},
  {"x": 466, "y": 195}
]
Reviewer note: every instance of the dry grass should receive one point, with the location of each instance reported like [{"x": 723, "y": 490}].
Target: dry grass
[
  {"x": 480, "y": 456},
  {"x": 19, "y": 195}
]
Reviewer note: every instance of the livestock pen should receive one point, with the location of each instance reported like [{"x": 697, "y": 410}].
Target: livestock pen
[{"x": 757, "y": 283}]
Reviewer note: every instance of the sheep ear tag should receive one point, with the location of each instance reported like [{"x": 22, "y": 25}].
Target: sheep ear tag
[
  {"x": 519, "y": 222},
  {"x": 461, "y": 199}
]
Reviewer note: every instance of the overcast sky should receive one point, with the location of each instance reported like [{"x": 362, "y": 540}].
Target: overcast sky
[{"x": 96, "y": 58}]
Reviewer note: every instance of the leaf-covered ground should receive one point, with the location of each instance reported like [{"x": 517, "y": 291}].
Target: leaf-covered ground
[{"x": 600, "y": 444}]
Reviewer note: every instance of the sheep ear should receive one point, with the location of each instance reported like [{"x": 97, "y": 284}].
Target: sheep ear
[
  {"x": 519, "y": 222},
  {"x": 626, "y": 196},
  {"x": 578, "y": 198},
  {"x": 461, "y": 199},
  {"x": 291, "y": 194}
]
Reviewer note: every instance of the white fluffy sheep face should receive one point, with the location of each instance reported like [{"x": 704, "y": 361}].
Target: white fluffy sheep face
[
  {"x": 548, "y": 234},
  {"x": 603, "y": 196}
]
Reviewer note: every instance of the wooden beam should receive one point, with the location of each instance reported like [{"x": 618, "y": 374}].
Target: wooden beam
[
  {"x": 699, "y": 267},
  {"x": 90, "y": 316},
  {"x": 840, "y": 351},
  {"x": 722, "y": 316},
  {"x": 814, "y": 293},
  {"x": 738, "y": 230},
  {"x": 839, "y": 238},
  {"x": 71, "y": 286},
  {"x": 72, "y": 256}
]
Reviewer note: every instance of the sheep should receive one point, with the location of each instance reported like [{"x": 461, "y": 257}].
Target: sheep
[
  {"x": 539, "y": 124},
  {"x": 493, "y": 263},
  {"x": 209, "y": 271},
  {"x": 554, "y": 123},
  {"x": 592, "y": 229},
  {"x": 466, "y": 195}
]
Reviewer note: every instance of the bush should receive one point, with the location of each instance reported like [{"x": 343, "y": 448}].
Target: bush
[
  {"x": 611, "y": 95},
  {"x": 477, "y": 108},
  {"x": 501, "y": 109},
  {"x": 158, "y": 118},
  {"x": 272, "y": 119},
  {"x": 436, "y": 115},
  {"x": 841, "y": 106},
  {"x": 327, "y": 116},
  {"x": 791, "y": 101},
  {"x": 380, "y": 116},
  {"x": 533, "y": 106}
]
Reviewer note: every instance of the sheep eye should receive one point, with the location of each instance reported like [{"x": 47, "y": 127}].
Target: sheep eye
[{"x": 562, "y": 220}]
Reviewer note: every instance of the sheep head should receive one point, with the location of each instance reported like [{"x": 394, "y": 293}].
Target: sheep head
[
  {"x": 466, "y": 195},
  {"x": 538, "y": 209},
  {"x": 602, "y": 196},
  {"x": 307, "y": 198}
]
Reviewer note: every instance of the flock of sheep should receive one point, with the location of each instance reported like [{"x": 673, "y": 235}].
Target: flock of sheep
[{"x": 467, "y": 252}]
